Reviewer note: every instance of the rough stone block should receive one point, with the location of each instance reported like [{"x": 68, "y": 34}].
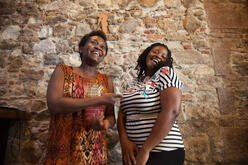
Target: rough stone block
[
  {"x": 226, "y": 15},
  {"x": 190, "y": 3},
  {"x": 189, "y": 56},
  {"x": 197, "y": 148},
  {"x": 148, "y": 3},
  {"x": 29, "y": 74},
  {"x": 129, "y": 26},
  {"x": 52, "y": 60},
  {"x": 222, "y": 61},
  {"x": 235, "y": 145},
  {"x": 226, "y": 100},
  {"x": 172, "y": 3},
  {"x": 44, "y": 46},
  {"x": 155, "y": 36},
  {"x": 11, "y": 32},
  {"x": 191, "y": 24},
  {"x": 38, "y": 105}
]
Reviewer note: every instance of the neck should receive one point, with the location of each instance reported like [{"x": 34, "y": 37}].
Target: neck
[
  {"x": 88, "y": 71},
  {"x": 148, "y": 73}
]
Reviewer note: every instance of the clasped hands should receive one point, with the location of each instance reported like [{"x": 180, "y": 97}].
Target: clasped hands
[
  {"x": 132, "y": 155},
  {"x": 100, "y": 123}
]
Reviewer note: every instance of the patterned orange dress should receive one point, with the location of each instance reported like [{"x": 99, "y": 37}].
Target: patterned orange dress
[{"x": 71, "y": 140}]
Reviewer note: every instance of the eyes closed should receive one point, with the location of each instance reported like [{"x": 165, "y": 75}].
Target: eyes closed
[{"x": 157, "y": 52}]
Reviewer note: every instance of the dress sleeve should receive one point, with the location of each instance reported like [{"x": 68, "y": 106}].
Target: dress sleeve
[{"x": 168, "y": 78}]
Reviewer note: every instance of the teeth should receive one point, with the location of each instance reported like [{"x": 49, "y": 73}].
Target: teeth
[
  {"x": 156, "y": 61},
  {"x": 97, "y": 53}
]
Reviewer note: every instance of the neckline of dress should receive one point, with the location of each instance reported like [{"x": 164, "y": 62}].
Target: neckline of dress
[{"x": 76, "y": 74}]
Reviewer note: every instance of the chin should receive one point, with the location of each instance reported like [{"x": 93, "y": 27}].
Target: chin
[{"x": 151, "y": 66}]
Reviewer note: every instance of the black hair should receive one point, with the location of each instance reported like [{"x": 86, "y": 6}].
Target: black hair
[
  {"x": 141, "y": 62},
  {"x": 93, "y": 33}
]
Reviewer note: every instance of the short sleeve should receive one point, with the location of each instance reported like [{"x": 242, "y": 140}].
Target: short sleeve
[{"x": 168, "y": 78}]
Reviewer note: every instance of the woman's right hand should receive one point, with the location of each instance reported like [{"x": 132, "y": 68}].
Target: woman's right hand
[
  {"x": 129, "y": 150},
  {"x": 111, "y": 98}
]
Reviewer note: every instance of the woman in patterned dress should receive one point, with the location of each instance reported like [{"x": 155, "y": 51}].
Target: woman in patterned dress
[
  {"x": 81, "y": 101},
  {"x": 146, "y": 123}
]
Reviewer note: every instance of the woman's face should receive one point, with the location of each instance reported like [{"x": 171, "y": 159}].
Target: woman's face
[
  {"x": 156, "y": 55},
  {"x": 94, "y": 50}
]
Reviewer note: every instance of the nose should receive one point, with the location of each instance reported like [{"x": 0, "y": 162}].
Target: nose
[
  {"x": 97, "y": 46},
  {"x": 158, "y": 55},
  {"x": 161, "y": 57}
]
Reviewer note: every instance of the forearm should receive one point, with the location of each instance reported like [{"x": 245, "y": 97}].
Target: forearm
[
  {"x": 64, "y": 105},
  {"x": 123, "y": 137},
  {"x": 121, "y": 127},
  {"x": 128, "y": 147}
]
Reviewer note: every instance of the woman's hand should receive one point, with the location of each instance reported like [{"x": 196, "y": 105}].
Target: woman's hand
[
  {"x": 128, "y": 152},
  {"x": 100, "y": 124},
  {"x": 108, "y": 120},
  {"x": 111, "y": 98},
  {"x": 142, "y": 157}
]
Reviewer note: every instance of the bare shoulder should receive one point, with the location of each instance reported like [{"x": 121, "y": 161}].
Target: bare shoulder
[
  {"x": 57, "y": 71},
  {"x": 56, "y": 78}
]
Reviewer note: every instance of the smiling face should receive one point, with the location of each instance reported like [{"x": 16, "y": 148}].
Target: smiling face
[
  {"x": 158, "y": 54},
  {"x": 94, "y": 50}
]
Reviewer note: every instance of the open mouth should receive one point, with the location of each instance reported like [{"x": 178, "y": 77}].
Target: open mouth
[
  {"x": 156, "y": 60},
  {"x": 97, "y": 53}
]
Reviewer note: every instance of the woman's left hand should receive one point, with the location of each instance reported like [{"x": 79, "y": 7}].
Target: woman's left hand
[
  {"x": 142, "y": 157},
  {"x": 100, "y": 124}
]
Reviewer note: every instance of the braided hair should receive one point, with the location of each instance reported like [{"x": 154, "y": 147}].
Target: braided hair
[{"x": 141, "y": 62}]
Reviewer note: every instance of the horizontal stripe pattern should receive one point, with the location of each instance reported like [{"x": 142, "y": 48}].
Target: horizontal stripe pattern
[{"x": 141, "y": 111}]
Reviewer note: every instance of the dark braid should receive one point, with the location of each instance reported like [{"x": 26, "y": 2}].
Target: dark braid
[{"x": 141, "y": 62}]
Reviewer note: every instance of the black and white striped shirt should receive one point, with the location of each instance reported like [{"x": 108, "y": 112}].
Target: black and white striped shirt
[{"x": 141, "y": 105}]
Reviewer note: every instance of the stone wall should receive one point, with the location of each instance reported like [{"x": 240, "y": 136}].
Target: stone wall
[
  {"x": 209, "y": 43},
  {"x": 228, "y": 39}
]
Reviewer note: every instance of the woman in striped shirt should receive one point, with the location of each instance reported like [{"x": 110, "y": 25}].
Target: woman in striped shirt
[{"x": 147, "y": 124}]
